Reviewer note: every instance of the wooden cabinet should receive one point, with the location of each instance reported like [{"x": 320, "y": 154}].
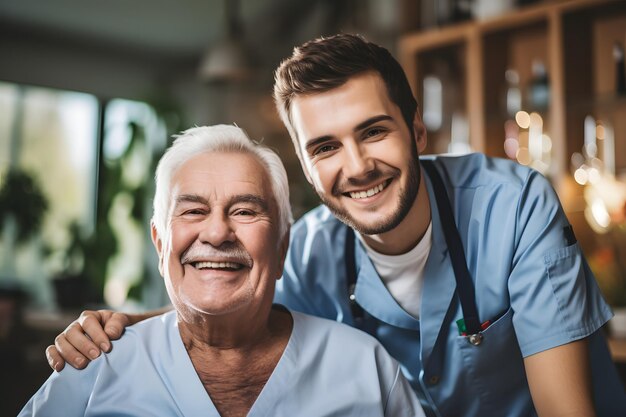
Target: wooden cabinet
[
  {"x": 573, "y": 41},
  {"x": 464, "y": 68}
]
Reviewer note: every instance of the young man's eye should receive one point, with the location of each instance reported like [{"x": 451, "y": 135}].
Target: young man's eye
[
  {"x": 324, "y": 149},
  {"x": 373, "y": 132}
]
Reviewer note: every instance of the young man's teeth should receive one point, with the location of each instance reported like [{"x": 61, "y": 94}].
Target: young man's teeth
[
  {"x": 217, "y": 265},
  {"x": 367, "y": 193}
]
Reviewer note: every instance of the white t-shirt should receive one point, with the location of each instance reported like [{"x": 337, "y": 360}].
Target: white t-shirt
[{"x": 403, "y": 275}]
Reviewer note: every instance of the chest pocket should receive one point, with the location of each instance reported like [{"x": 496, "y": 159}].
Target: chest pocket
[{"x": 494, "y": 370}]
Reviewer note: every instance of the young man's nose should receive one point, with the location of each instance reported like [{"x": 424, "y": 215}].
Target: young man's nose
[
  {"x": 357, "y": 161},
  {"x": 217, "y": 229}
]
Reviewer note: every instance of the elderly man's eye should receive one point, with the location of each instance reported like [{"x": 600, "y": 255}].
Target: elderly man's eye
[
  {"x": 243, "y": 212},
  {"x": 193, "y": 212}
]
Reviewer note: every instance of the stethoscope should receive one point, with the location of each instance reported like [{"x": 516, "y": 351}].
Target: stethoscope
[{"x": 465, "y": 286}]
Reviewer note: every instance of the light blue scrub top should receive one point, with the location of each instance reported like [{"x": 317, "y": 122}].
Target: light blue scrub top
[
  {"x": 327, "y": 369},
  {"x": 530, "y": 281}
]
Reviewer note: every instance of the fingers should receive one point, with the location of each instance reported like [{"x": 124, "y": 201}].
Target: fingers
[
  {"x": 84, "y": 339},
  {"x": 87, "y": 333},
  {"x": 69, "y": 353},
  {"x": 55, "y": 360},
  {"x": 77, "y": 347},
  {"x": 115, "y": 324}
]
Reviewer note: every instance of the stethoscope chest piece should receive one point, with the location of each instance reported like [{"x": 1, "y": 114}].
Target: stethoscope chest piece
[{"x": 475, "y": 339}]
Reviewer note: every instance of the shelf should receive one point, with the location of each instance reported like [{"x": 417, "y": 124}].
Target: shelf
[
  {"x": 569, "y": 37},
  {"x": 574, "y": 41}
]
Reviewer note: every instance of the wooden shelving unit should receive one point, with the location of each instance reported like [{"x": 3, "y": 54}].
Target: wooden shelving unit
[{"x": 573, "y": 39}]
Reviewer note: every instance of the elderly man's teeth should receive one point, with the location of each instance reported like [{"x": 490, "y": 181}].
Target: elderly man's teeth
[
  {"x": 217, "y": 265},
  {"x": 367, "y": 193}
]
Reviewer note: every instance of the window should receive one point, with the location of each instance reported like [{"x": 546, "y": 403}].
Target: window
[
  {"x": 51, "y": 135},
  {"x": 99, "y": 187}
]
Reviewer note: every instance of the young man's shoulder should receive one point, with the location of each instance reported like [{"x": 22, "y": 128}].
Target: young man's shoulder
[
  {"x": 346, "y": 339},
  {"x": 478, "y": 170},
  {"x": 318, "y": 220}
]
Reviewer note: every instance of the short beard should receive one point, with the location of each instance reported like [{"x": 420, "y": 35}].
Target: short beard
[{"x": 407, "y": 198}]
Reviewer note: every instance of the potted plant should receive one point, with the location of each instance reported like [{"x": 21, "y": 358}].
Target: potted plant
[{"x": 22, "y": 208}]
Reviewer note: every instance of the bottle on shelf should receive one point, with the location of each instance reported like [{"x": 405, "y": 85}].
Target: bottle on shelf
[
  {"x": 620, "y": 71},
  {"x": 539, "y": 88},
  {"x": 513, "y": 94}
]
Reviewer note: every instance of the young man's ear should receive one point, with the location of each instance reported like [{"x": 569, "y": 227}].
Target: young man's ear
[
  {"x": 158, "y": 245},
  {"x": 282, "y": 251},
  {"x": 419, "y": 132}
]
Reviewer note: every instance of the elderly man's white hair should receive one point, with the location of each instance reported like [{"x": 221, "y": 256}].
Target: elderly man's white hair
[{"x": 218, "y": 138}]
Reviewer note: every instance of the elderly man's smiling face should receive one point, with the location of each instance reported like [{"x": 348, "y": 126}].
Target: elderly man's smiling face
[{"x": 223, "y": 252}]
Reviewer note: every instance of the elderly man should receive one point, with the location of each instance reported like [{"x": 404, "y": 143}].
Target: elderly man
[{"x": 221, "y": 229}]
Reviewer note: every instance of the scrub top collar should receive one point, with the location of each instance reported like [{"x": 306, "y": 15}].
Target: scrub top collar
[{"x": 438, "y": 291}]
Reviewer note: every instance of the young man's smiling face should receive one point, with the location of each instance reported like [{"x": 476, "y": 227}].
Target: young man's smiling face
[{"x": 358, "y": 153}]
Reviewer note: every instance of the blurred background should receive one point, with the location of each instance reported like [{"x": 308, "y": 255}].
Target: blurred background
[{"x": 91, "y": 92}]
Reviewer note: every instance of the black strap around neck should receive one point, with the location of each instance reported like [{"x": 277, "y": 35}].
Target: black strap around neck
[
  {"x": 357, "y": 310},
  {"x": 464, "y": 283}
]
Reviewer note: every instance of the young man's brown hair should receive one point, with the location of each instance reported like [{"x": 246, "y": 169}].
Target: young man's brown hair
[{"x": 326, "y": 63}]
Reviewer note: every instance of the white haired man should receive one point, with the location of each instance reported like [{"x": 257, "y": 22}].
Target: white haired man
[{"x": 221, "y": 229}]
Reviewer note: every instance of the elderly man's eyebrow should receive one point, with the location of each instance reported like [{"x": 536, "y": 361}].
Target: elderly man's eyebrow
[
  {"x": 254, "y": 199},
  {"x": 191, "y": 198}
]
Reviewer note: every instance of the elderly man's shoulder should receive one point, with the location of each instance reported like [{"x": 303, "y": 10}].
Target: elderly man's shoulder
[{"x": 145, "y": 339}]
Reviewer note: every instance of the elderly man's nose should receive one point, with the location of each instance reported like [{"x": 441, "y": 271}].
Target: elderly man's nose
[{"x": 216, "y": 229}]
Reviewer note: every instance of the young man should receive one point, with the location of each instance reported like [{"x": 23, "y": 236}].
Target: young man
[
  {"x": 221, "y": 229},
  {"x": 466, "y": 269}
]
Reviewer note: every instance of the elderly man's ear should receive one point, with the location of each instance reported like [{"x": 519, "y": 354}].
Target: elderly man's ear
[
  {"x": 282, "y": 251},
  {"x": 158, "y": 245}
]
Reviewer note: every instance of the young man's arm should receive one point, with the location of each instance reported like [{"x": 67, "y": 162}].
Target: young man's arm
[
  {"x": 84, "y": 339},
  {"x": 560, "y": 381}
]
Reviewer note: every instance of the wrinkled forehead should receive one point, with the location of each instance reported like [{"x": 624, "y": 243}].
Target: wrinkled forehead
[{"x": 220, "y": 176}]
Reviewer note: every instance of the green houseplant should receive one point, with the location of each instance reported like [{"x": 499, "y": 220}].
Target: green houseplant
[
  {"x": 22, "y": 199},
  {"x": 22, "y": 209}
]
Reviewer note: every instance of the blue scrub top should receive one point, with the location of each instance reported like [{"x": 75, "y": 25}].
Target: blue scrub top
[{"x": 531, "y": 281}]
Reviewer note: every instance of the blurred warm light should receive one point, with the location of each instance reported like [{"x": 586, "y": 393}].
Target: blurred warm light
[
  {"x": 523, "y": 119},
  {"x": 577, "y": 159},
  {"x": 594, "y": 175},
  {"x": 581, "y": 176},
  {"x": 605, "y": 203},
  {"x": 526, "y": 140},
  {"x": 540, "y": 166},
  {"x": 511, "y": 145},
  {"x": 523, "y": 156},
  {"x": 535, "y": 119},
  {"x": 523, "y": 139},
  {"x": 591, "y": 149},
  {"x": 600, "y": 214},
  {"x": 546, "y": 143},
  {"x": 600, "y": 133}
]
